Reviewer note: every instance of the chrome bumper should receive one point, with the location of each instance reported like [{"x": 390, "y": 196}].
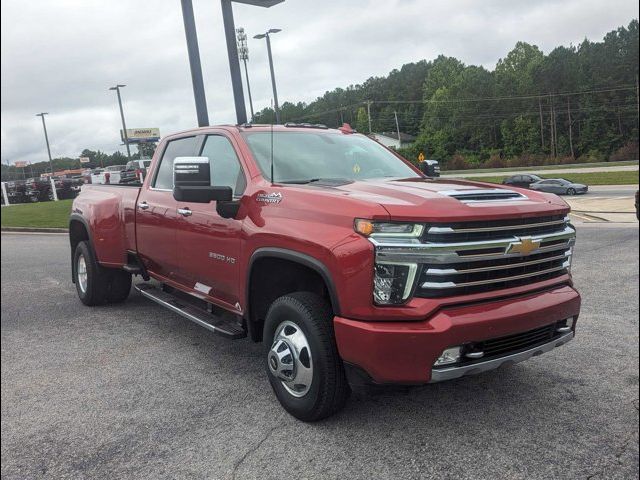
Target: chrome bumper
[{"x": 442, "y": 374}]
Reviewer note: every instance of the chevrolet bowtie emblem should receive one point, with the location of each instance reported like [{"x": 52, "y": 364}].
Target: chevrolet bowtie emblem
[{"x": 525, "y": 246}]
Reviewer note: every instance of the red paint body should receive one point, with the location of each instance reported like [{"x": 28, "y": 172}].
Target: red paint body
[{"x": 393, "y": 344}]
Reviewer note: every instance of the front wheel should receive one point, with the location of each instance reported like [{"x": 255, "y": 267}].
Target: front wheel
[
  {"x": 302, "y": 361},
  {"x": 571, "y": 191}
]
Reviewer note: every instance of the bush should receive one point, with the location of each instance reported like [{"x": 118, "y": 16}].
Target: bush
[
  {"x": 494, "y": 162},
  {"x": 628, "y": 151},
  {"x": 458, "y": 162}
]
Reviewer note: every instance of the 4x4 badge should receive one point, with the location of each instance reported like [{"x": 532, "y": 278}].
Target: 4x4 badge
[{"x": 525, "y": 246}]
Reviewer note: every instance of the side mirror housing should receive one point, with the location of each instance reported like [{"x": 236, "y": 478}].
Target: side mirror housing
[{"x": 192, "y": 182}]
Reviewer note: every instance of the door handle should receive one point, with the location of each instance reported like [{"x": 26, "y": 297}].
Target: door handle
[
  {"x": 185, "y": 212},
  {"x": 143, "y": 205}
]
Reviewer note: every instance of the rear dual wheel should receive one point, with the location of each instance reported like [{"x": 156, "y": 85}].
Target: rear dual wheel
[{"x": 95, "y": 284}]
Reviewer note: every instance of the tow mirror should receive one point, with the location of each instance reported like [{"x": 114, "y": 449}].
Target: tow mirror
[{"x": 192, "y": 181}]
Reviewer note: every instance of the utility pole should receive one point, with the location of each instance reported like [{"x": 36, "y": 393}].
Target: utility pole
[
  {"x": 637, "y": 102},
  {"x": 46, "y": 138},
  {"x": 541, "y": 124},
  {"x": 243, "y": 52},
  {"x": 369, "y": 102},
  {"x": 194, "y": 63},
  {"x": 267, "y": 36},
  {"x": 395, "y": 114},
  {"x": 125, "y": 138},
  {"x": 234, "y": 64},
  {"x": 570, "y": 127},
  {"x": 552, "y": 149}
]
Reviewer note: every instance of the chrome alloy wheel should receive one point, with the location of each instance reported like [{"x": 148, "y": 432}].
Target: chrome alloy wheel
[
  {"x": 81, "y": 272},
  {"x": 289, "y": 359}
]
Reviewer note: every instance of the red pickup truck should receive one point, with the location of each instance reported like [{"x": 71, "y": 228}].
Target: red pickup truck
[{"x": 347, "y": 262}]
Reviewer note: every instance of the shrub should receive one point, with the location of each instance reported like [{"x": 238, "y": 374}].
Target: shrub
[
  {"x": 629, "y": 151},
  {"x": 458, "y": 162}
]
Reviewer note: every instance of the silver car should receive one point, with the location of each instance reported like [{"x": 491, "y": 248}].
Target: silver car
[{"x": 559, "y": 186}]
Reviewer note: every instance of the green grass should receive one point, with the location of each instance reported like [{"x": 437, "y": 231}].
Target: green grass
[
  {"x": 595, "y": 178},
  {"x": 543, "y": 167},
  {"x": 37, "y": 215}
]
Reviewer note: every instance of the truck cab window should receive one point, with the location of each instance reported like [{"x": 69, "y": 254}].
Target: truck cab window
[
  {"x": 225, "y": 166},
  {"x": 182, "y": 147}
]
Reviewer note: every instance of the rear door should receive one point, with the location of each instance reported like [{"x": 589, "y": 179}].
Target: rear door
[
  {"x": 156, "y": 217},
  {"x": 209, "y": 254}
]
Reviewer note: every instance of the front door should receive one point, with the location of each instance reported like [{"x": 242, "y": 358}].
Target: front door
[
  {"x": 210, "y": 250},
  {"x": 156, "y": 212}
]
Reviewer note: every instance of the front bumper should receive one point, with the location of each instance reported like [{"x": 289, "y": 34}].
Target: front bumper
[
  {"x": 441, "y": 374},
  {"x": 404, "y": 352}
]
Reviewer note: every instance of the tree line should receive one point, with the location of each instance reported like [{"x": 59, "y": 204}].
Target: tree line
[{"x": 576, "y": 103}]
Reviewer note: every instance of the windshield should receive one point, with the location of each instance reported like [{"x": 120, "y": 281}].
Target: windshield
[{"x": 301, "y": 157}]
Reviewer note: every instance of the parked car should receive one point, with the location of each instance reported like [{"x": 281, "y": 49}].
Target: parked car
[
  {"x": 522, "y": 180},
  {"x": 349, "y": 267},
  {"x": 16, "y": 191},
  {"x": 67, "y": 187},
  {"x": 134, "y": 171},
  {"x": 559, "y": 186},
  {"x": 110, "y": 174},
  {"x": 39, "y": 189},
  {"x": 431, "y": 168}
]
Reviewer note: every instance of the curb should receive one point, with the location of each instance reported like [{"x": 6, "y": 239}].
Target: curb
[
  {"x": 591, "y": 211},
  {"x": 34, "y": 230}
]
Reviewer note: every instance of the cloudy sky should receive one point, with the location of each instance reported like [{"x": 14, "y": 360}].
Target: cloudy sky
[{"x": 61, "y": 56}]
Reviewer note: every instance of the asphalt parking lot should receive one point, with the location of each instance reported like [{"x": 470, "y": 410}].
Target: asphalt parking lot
[{"x": 134, "y": 391}]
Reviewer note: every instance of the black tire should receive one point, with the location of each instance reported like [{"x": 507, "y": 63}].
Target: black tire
[
  {"x": 103, "y": 285},
  {"x": 94, "y": 291},
  {"x": 119, "y": 286},
  {"x": 571, "y": 191},
  {"x": 329, "y": 389}
]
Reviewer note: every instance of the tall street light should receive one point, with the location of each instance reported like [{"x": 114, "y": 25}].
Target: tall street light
[
  {"x": 46, "y": 137},
  {"x": 267, "y": 35},
  {"x": 124, "y": 125},
  {"x": 243, "y": 52},
  {"x": 194, "y": 63}
]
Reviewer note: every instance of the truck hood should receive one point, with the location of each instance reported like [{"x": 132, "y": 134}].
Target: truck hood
[{"x": 422, "y": 199}]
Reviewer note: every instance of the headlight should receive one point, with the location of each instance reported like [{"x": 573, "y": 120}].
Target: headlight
[
  {"x": 392, "y": 282},
  {"x": 369, "y": 228}
]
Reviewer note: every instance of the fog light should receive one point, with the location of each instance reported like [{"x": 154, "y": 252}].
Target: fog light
[{"x": 450, "y": 355}]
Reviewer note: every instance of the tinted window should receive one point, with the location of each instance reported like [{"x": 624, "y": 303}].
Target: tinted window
[
  {"x": 225, "y": 166},
  {"x": 302, "y": 156},
  {"x": 183, "y": 147}
]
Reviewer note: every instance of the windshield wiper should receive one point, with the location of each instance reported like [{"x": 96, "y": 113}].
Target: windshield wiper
[{"x": 319, "y": 180}]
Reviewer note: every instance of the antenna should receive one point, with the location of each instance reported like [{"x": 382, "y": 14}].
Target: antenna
[{"x": 272, "y": 179}]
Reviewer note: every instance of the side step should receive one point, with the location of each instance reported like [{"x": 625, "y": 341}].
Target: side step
[
  {"x": 226, "y": 327},
  {"x": 133, "y": 269}
]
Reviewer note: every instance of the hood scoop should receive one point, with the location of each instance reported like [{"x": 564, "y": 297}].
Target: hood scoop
[{"x": 484, "y": 195}]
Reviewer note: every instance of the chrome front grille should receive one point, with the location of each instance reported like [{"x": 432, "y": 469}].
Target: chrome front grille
[{"x": 466, "y": 258}]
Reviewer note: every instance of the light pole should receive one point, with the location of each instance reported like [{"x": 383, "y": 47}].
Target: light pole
[
  {"x": 243, "y": 52},
  {"x": 194, "y": 63},
  {"x": 46, "y": 137},
  {"x": 124, "y": 125},
  {"x": 267, "y": 35}
]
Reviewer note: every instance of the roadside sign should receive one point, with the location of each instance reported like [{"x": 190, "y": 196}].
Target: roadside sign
[
  {"x": 421, "y": 157},
  {"x": 21, "y": 164},
  {"x": 141, "y": 135},
  {"x": 84, "y": 159}
]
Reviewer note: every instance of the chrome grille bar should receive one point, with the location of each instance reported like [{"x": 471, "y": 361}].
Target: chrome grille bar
[
  {"x": 441, "y": 285},
  {"x": 453, "y": 271},
  {"x": 415, "y": 251}
]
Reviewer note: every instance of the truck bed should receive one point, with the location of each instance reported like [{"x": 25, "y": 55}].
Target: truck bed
[{"x": 111, "y": 209}]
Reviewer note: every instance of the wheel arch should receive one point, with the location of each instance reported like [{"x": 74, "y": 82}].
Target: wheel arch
[
  {"x": 79, "y": 231},
  {"x": 297, "y": 260}
]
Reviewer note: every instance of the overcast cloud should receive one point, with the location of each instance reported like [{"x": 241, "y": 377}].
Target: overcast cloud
[{"x": 61, "y": 56}]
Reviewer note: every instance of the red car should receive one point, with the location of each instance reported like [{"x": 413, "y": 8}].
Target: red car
[{"x": 344, "y": 260}]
